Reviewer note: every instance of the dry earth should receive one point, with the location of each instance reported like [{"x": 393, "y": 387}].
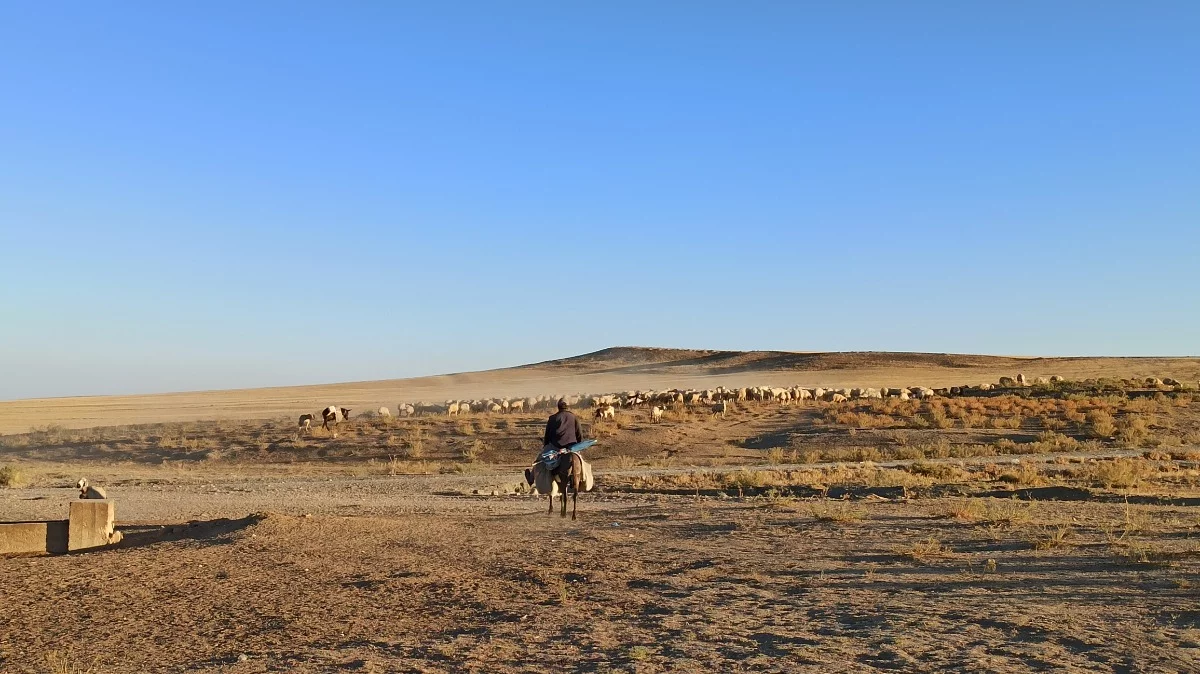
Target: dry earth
[
  {"x": 1010, "y": 534},
  {"x": 384, "y": 577}
]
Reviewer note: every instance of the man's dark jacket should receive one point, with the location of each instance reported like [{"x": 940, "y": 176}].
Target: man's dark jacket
[{"x": 563, "y": 430}]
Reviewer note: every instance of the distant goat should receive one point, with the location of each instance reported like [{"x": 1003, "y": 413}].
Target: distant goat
[
  {"x": 606, "y": 412},
  {"x": 334, "y": 414},
  {"x": 88, "y": 491},
  {"x": 656, "y": 413},
  {"x": 305, "y": 425}
]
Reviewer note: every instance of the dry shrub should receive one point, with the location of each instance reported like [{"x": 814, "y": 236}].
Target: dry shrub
[
  {"x": 1145, "y": 405},
  {"x": 1049, "y": 441},
  {"x": 937, "y": 449},
  {"x": 867, "y": 454},
  {"x": 623, "y": 462},
  {"x": 966, "y": 509},
  {"x": 941, "y": 472},
  {"x": 926, "y": 549},
  {"x": 973, "y": 420},
  {"x": 1025, "y": 475},
  {"x": 1052, "y": 424},
  {"x": 1012, "y": 422},
  {"x": 11, "y": 476},
  {"x": 473, "y": 452},
  {"x": 1133, "y": 430},
  {"x": 414, "y": 444},
  {"x": 825, "y": 511},
  {"x": 1100, "y": 424},
  {"x": 1120, "y": 473},
  {"x": 1052, "y": 538},
  {"x": 776, "y": 455}
]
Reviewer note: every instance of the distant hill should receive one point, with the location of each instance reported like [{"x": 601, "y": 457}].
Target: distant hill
[{"x": 651, "y": 359}]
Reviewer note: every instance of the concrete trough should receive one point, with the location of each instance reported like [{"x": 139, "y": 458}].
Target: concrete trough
[{"x": 89, "y": 524}]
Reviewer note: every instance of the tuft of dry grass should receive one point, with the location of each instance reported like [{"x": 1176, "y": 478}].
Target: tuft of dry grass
[
  {"x": 842, "y": 513},
  {"x": 970, "y": 509},
  {"x": 1052, "y": 538},
  {"x": 414, "y": 444},
  {"x": 926, "y": 549},
  {"x": 11, "y": 476},
  {"x": 473, "y": 452},
  {"x": 1120, "y": 473},
  {"x": 66, "y": 661}
]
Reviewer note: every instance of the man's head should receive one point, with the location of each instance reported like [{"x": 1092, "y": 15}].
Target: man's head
[{"x": 562, "y": 404}]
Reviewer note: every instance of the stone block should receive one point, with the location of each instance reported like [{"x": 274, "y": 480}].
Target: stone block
[
  {"x": 18, "y": 538},
  {"x": 91, "y": 524}
]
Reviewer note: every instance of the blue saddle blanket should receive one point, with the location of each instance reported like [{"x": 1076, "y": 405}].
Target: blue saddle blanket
[{"x": 551, "y": 456}]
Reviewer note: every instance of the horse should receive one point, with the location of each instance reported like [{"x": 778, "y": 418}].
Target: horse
[{"x": 568, "y": 473}]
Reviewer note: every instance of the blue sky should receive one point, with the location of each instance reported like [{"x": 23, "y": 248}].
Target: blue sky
[{"x": 218, "y": 195}]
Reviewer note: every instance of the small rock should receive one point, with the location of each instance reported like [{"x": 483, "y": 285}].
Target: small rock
[{"x": 242, "y": 657}]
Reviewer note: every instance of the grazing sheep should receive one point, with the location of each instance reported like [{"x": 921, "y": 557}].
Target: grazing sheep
[
  {"x": 452, "y": 408},
  {"x": 837, "y": 398},
  {"x": 1055, "y": 379},
  {"x": 606, "y": 412},
  {"x": 720, "y": 408},
  {"x": 88, "y": 491},
  {"x": 334, "y": 414},
  {"x": 1007, "y": 382},
  {"x": 305, "y": 424},
  {"x": 656, "y": 414},
  {"x": 516, "y": 406},
  {"x": 384, "y": 412},
  {"x": 1021, "y": 381}
]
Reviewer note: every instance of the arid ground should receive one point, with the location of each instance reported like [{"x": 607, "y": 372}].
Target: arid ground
[{"x": 1040, "y": 528}]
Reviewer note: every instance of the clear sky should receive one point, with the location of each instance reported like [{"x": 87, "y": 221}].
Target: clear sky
[{"x": 229, "y": 194}]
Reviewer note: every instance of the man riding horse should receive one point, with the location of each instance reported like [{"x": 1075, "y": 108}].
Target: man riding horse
[{"x": 556, "y": 463}]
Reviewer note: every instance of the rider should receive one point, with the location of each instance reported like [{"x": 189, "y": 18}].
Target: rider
[{"x": 562, "y": 429}]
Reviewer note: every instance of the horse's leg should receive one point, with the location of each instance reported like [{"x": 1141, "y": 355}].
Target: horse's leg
[
  {"x": 563, "y": 494},
  {"x": 550, "y": 510},
  {"x": 574, "y": 495}
]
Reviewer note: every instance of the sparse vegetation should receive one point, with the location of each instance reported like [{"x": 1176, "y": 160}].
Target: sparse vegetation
[{"x": 11, "y": 476}]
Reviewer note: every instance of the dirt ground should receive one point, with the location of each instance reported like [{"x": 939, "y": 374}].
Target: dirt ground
[{"x": 380, "y": 574}]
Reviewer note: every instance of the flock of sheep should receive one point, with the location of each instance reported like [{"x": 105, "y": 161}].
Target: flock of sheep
[{"x": 719, "y": 399}]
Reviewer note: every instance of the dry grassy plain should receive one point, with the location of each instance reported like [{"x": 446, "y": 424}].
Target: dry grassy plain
[
  {"x": 1023, "y": 531},
  {"x": 606, "y": 371}
]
